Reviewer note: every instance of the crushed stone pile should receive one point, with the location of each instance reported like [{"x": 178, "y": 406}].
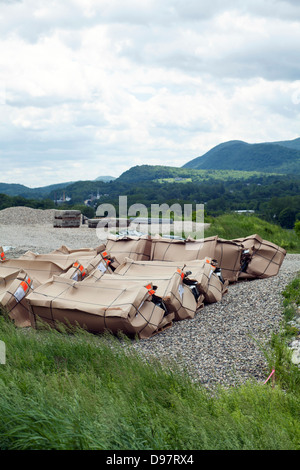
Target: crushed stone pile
[{"x": 20, "y": 215}]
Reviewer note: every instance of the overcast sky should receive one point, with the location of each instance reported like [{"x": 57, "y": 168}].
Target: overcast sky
[{"x": 93, "y": 87}]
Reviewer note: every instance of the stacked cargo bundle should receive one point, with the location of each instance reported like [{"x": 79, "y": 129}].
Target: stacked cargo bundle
[
  {"x": 67, "y": 218},
  {"x": 97, "y": 307},
  {"x": 137, "y": 248},
  {"x": 226, "y": 253},
  {"x": 15, "y": 285},
  {"x": 260, "y": 258}
]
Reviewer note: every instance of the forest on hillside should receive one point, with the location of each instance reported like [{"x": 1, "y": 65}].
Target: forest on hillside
[{"x": 275, "y": 198}]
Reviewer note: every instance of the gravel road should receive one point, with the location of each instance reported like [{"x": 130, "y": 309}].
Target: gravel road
[{"x": 221, "y": 345}]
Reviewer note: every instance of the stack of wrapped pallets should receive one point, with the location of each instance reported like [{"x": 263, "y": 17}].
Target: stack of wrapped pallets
[{"x": 67, "y": 218}]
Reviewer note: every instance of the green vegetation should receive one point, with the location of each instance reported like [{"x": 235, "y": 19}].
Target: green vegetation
[
  {"x": 274, "y": 197},
  {"x": 297, "y": 228},
  {"x": 13, "y": 201},
  {"x": 168, "y": 174},
  {"x": 287, "y": 372},
  {"x": 81, "y": 391},
  {"x": 272, "y": 157},
  {"x": 231, "y": 226}
]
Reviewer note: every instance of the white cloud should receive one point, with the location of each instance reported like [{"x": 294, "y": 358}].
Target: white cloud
[{"x": 94, "y": 87}]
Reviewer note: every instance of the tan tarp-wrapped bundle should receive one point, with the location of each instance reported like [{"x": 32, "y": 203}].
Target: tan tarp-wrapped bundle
[
  {"x": 74, "y": 264},
  {"x": 64, "y": 257},
  {"x": 15, "y": 285},
  {"x": 169, "y": 249},
  {"x": 227, "y": 253},
  {"x": 97, "y": 307},
  {"x": 41, "y": 270},
  {"x": 64, "y": 250},
  {"x": 201, "y": 273},
  {"x": 134, "y": 247},
  {"x": 177, "y": 298},
  {"x": 261, "y": 258},
  {"x": 78, "y": 272}
]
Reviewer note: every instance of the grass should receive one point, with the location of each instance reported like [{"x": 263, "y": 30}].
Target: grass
[
  {"x": 78, "y": 391},
  {"x": 231, "y": 226}
]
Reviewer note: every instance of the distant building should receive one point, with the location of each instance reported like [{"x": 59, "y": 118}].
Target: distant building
[
  {"x": 63, "y": 199},
  {"x": 245, "y": 211}
]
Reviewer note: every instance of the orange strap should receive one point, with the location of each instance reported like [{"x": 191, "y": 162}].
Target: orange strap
[{"x": 181, "y": 273}]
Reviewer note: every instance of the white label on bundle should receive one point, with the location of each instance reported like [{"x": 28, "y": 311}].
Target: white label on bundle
[
  {"x": 101, "y": 267},
  {"x": 211, "y": 272},
  {"x": 138, "y": 309},
  {"x": 75, "y": 277},
  {"x": 19, "y": 294},
  {"x": 181, "y": 290}
]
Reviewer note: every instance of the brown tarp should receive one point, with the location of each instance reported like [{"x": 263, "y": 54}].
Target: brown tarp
[
  {"x": 175, "y": 296},
  {"x": 169, "y": 249},
  {"x": 136, "y": 248},
  {"x": 15, "y": 285},
  {"x": 261, "y": 258},
  {"x": 35, "y": 268},
  {"x": 227, "y": 253},
  {"x": 79, "y": 271},
  {"x": 199, "y": 273},
  {"x": 65, "y": 250},
  {"x": 97, "y": 307}
]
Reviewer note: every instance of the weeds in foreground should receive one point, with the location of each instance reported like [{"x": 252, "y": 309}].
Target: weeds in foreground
[{"x": 62, "y": 390}]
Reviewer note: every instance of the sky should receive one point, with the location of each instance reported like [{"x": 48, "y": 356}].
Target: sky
[{"x": 93, "y": 87}]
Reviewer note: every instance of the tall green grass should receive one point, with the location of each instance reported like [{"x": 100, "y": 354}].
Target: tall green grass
[
  {"x": 80, "y": 391},
  {"x": 231, "y": 226}
]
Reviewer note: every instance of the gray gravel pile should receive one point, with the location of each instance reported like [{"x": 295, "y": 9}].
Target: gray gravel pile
[{"x": 26, "y": 216}]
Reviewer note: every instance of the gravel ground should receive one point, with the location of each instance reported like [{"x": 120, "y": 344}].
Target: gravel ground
[{"x": 221, "y": 345}]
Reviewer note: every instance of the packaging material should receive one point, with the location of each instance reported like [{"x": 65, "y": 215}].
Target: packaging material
[
  {"x": 260, "y": 258},
  {"x": 15, "y": 285},
  {"x": 201, "y": 275},
  {"x": 169, "y": 291},
  {"x": 170, "y": 249},
  {"x": 226, "y": 253},
  {"x": 39, "y": 269},
  {"x": 134, "y": 247},
  {"x": 65, "y": 250},
  {"x": 97, "y": 307},
  {"x": 79, "y": 272}
]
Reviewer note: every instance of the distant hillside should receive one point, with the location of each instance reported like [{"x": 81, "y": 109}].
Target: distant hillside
[
  {"x": 293, "y": 144},
  {"x": 11, "y": 189},
  {"x": 170, "y": 174},
  {"x": 281, "y": 157},
  {"x": 105, "y": 178}
]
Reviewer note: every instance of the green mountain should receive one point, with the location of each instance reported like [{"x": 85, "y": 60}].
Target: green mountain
[
  {"x": 293, "y": 144},
  {"x": 170, "y": 174},
  {"x": 105, "y": 178},
  {"x": 11, "y": 189},
  {"x": 278, "y": 157}
]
